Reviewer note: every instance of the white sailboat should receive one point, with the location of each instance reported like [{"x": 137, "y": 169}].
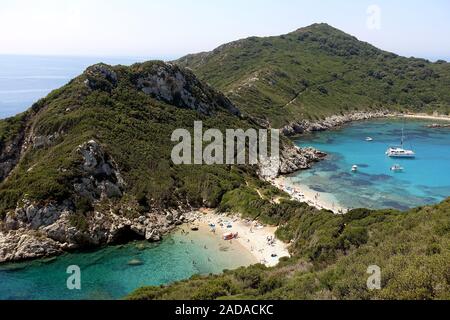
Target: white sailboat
[{"x": 400, "y": 152}]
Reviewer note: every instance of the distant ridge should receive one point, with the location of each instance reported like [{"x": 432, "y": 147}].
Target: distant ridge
[{"x": 317, "y": 71}]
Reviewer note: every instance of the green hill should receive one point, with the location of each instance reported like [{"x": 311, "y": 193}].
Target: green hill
[
  {"x": 319, "y": 71},
  {"x": 331, "y": 256},
  {"x": 95, "y": 156},
  {"x": 111, "y": 106}
]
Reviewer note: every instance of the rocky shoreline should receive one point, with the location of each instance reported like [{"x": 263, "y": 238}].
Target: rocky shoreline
[
  {"x": 305, "y": 126},
  {"x": 38, "y": 230},
  {"x": 25, "y": 242}
]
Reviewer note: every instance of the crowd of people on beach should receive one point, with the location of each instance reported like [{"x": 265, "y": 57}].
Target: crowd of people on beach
[{"x": 248, "y": 232}]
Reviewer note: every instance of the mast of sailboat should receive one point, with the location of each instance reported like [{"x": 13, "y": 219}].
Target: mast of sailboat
[{"x": 403, "y": 135}]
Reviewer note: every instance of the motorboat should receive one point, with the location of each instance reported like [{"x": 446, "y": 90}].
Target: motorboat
[
  {"x": 399, "y": 152},
  {"x": 397, "y": 168},
  {"x": 369, "y": 139},
  {"x": 354, "y": 168}
]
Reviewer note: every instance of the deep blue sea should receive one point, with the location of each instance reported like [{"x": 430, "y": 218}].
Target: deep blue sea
[
  {"x": 425, "y": 179},
  {"x": 26, "y": 79}
]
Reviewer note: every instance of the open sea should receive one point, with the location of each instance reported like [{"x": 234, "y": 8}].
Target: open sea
[{"x": 26, "y": 79}]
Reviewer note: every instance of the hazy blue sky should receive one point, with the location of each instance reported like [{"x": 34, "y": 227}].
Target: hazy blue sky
[{"x": 171, "y": 28}]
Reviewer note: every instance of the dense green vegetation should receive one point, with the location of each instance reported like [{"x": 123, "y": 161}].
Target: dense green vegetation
[
  {"x": 10, "y": 128},
  {"x": 331, "y": 255},
  {"x": 133, "y": 128},
  {"x": 318, "y": 71}
]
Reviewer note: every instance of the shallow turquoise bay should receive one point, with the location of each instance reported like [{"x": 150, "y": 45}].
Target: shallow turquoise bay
[
  {"x": 425, "y": 179},
  {"x": 106, "y": 273}
]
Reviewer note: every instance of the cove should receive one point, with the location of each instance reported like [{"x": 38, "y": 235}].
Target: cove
[
  {"x": 425, "y": 179},
  {"x": 114, "y": 272}
]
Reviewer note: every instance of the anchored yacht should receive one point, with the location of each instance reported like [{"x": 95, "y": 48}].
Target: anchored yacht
[{"x": 400, "y": 152}]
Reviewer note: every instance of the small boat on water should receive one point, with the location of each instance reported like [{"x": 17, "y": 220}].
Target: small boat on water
[
  {"x": 397, "y": 168},
  {"x": 355, "y": 168},
  {"x": 369, "y": 139}
]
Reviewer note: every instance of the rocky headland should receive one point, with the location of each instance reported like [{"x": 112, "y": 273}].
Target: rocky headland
[{"x": 306, "y": 126}]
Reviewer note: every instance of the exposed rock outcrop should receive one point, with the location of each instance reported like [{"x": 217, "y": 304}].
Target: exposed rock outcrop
[
  {"x": 305, "y": 126},
  {"x": 10, "y": 155},
  {"x": 100, "y": 176},
  {"x": 43, "y": 141},
  {"x": 292, "y": 159},
  {"x": 181, "y": 88},
  {"x": 24, "y": 245},
  {"x": 36, "y": 230},
  {"x": 101, "y": 77}
]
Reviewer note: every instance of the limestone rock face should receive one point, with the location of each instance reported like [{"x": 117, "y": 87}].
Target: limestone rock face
[
  {"x": 292, "y": 159},
  {"x": 181, "y": 88},
  {"x": 44, "y": 141},
  {"x": 24, "y": 244},
  {"x": 34, "y": 216},
  {"x": 35, "y": 230},
  {"x": 101, "y": 77},
  {"x": 100, "y": 176},
  {"x": 295, "y": 159}
]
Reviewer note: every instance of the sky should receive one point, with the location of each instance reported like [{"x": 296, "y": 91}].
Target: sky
[{"x": 171, "y": 28}]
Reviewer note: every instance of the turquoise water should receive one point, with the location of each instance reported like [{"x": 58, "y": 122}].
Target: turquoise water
[
  {"x": 425, "y": 180},
  {"x": 106, "y": 273}
]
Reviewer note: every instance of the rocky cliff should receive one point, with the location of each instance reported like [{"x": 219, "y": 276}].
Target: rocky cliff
[{"x": 35, "y": 229}]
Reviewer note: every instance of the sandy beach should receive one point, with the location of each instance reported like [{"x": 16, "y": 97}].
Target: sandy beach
[
  {"x": 426, "y": 116},
  {"x": 304, "y": 194},
  {"x": 257, "y": 239}
]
